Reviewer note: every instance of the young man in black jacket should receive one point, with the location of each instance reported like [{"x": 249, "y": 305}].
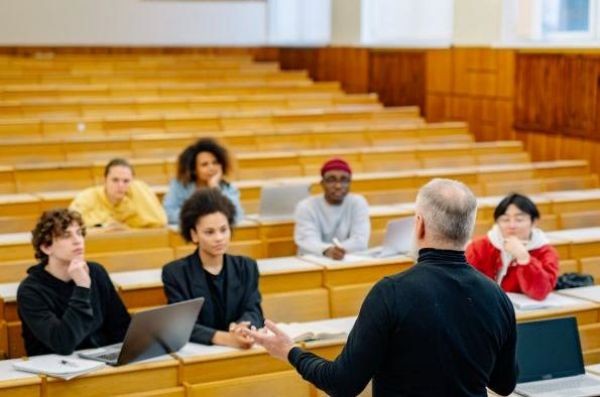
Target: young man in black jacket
[
  {"x": 66, "y": 303},
  {"x": 438, "y": 329}
]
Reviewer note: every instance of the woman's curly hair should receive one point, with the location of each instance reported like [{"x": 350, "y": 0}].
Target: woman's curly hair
[
  {"x": 53, "y": 223},
  {"x": 201, "y": 203},
  {"x": 186, "y": 163}
]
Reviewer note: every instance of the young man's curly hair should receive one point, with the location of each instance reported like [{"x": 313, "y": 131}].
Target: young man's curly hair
[
  {"x": 201, "y": 203},
  {"x": 53, "y": 224}
]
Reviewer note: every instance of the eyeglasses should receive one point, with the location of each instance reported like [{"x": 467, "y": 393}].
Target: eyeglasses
[{"x": 334, "y": 181}]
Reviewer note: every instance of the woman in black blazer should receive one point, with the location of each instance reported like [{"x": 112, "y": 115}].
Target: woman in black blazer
[{"x": 229, "y": 283}]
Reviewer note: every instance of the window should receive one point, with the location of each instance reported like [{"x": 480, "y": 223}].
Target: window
[{"x": 551, "y": 21}]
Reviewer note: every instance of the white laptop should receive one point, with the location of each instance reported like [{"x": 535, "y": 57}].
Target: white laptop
[
  {"x": 279, "y": 201},
  {"x": 397, "y": 239},
  {"x": 550, "y": 360}
]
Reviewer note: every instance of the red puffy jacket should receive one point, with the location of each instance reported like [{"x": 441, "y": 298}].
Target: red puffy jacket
[{"x": 535, "y": 279}]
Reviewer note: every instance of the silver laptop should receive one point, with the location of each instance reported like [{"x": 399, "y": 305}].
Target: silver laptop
[
  {"x": 279, "y": 201},
  {"x": 396, "y": 241},
  {"x": 152, "y": 333},
  {"x": 550, "y": 360}
]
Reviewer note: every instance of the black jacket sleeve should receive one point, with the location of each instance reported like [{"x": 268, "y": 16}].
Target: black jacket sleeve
[
  {"x": 252, "y": 309},
  {"x": 503, "y": 378},
  {"x": 175, "y": 292},
  {"x": 362, "y": 355},
  {"x": 60, "y": 334}
]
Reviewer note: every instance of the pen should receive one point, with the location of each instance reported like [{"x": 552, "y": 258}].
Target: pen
[
  {"x": 68, "y": 363},
  {"x": 336, "y": 242}
]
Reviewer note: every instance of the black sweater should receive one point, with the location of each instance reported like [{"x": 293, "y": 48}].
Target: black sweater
[
  {"x": 234, "y": 298},
  {"x": 61, "y": 317},
  {"x": 438, "y": 329}
]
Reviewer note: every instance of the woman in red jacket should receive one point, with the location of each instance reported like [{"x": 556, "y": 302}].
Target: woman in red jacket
[{"x": 515, "y": 253}]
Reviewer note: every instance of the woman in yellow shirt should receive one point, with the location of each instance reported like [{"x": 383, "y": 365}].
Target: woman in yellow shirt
[{"x": 122, "y": 202}]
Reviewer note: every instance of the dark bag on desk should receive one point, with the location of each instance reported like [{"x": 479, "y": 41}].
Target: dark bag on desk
[{"x": 574, "y": 280}]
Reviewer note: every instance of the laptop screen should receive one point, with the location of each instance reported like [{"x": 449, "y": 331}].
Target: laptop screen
[{"x": 548, "y": 349}]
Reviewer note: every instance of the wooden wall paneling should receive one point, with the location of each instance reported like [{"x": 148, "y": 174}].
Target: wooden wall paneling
[
  {"x": 438, "y": 71},
  {"x": 461, "y": 59},
  {"x": 580, "y": 76},
  {"x": 505, "y": 74},
  {"x": 539, "y": 92},
  {"x": 481, "y": 70},
  {"x": 438, "y": 84},
  {"x": 398, "y": 77},
  {"x": 348, "y": 65},
  {"x": 299, "y": 59},
  {"x": 505, "y": 119}
]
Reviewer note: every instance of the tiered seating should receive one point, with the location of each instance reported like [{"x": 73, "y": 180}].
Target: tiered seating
[{"x": 62, "y": 119}]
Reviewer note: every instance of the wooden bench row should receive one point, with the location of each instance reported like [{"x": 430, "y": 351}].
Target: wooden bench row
[
  {"x": 177, "y": 105},
  {"x": 188, "y": 68},
  {"x": 19, "y": 211},
  {"x": 211, "y": 371},
  {"x": 248, "y": 165},
  {"x": 263, "y": 238},
  {"x": 75, "y": 64},
  {"x": 292, "y": 290},
  {"x": 34, "y": 149},
  {"x": 152, "y": 77},
  {"x": 379, "y": 187},
  {"x": 218, "y": 121},
  {"x": 20, "y": 92}
]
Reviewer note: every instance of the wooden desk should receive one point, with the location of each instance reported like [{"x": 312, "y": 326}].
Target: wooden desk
[
  {"x": 15, "y": 345},
  {"x": 292, "y": 290},
  {"x": 140, "y": 288},
  {"x": 202, "y": 364},
  {"x": 583, "y": 243},
  {"x": 349, "y": 283},
  {"x": 585, "y": 311},
  {"x": 574, "y": 201},
  {"x": 151, "y": 375},
  {"x": 15, "y": 383}
]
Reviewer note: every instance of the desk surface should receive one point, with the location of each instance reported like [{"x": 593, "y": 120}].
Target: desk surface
[
  {"x": 8, "y": 292},
  {"x": 589, "y": 234},
  {"x": 9, "y": 374},
  {"x": 591, "y": 293},
  {"x": 286, "y": 264}
]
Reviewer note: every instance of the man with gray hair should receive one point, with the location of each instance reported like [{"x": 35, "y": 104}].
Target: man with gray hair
[{"x": 438, "y": 329}]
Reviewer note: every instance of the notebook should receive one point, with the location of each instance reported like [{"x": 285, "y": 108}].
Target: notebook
[
  {"x": 152, "y": 333},
  {"x": 550, "y": 360},
  {"x": 63, "y": 367},
  {"x": 300, "y": 332}
]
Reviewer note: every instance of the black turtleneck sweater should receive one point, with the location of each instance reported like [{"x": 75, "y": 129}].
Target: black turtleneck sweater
[
  {"x": 438, "y": 329},
  {"x": 61, "y": 317}
]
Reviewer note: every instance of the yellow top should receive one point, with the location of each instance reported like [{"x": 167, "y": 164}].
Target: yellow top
[{"x": 139, "y": 209}]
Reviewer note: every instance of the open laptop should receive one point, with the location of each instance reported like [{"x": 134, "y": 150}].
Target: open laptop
[
  {"x": 279, "y": 201},
  {"x": 397, "y": 239},
  {"x": 550, "y": 360},
  {"x": 152, "y": 333}
]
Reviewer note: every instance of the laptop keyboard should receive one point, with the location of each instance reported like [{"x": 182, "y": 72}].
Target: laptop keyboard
[
  {"x": 110, "y": 356},
  {"x": 562, "y": 384}
]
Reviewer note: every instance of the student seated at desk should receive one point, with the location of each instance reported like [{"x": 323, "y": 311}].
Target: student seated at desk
[
  {"x": 336, "y": 222},
  {"x": 515, "y": 253},
  {"x": 66, "y": 303},
  {"x": 122, "y": 202},
  {"x": 201, "y": 165},
  {"x": 228, "y": 283}
]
